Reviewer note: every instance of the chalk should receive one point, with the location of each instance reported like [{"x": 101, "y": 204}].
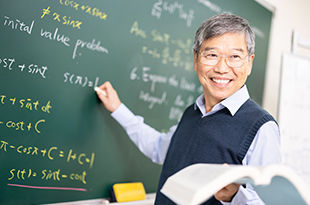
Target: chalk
[{"x": 100, "y": 91}]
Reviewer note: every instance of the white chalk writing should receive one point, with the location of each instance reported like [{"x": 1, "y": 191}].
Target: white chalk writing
[
  {"x": 31, "y": 68},
  {"x": 55, "y": 36},
  {"x": 94, "y": 45},
  {"x": 146, "y": 75},
  {"x": 172, "y": 8},
  {"x": 153, "y": 100},
  {"x": 80, "y": 80},
  {"x": 18, "y": 25}
]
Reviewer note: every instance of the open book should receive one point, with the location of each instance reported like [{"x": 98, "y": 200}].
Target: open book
[{"x": 275, "y": 184}]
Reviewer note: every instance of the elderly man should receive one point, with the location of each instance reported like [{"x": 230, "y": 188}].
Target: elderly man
[{"x": 223, "y": 126}]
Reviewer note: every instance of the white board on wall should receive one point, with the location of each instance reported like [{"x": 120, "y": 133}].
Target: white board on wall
[{"x": 294, "y": 113}]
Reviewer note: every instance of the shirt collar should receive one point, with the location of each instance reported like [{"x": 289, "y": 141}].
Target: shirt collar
[{"x": 232, "y": 103}]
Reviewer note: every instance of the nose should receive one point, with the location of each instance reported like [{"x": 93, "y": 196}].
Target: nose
[{"x": 221, "y": 66}]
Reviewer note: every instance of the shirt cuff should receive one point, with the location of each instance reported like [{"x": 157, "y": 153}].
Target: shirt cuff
[{"x": 122, "y": 115}]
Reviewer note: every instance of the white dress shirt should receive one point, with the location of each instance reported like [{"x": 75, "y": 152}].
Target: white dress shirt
[{"x": 264, "y": 150}]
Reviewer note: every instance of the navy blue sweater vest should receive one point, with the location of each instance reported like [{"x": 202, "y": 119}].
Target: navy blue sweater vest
[{"x": 217, "y": 138}]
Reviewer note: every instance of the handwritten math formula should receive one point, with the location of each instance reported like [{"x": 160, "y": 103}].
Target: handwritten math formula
[
  {"x": 49, "y": 153},
  {"x": 26, "y": 103},
  {"x": 46, "y": 175},
  {"x": 31, "y": 69},
  {"x": 169, "y": 50}
]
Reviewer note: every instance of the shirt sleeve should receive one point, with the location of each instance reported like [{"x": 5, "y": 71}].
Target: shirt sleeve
[
  {"x": 264, "y": 150},
  {"x": 150, "y": 142}
]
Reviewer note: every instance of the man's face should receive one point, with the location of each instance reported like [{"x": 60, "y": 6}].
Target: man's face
[{"x": 220, "y": 80}]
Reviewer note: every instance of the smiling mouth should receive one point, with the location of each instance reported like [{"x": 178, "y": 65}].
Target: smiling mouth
[{"x": 221, "y": 82}]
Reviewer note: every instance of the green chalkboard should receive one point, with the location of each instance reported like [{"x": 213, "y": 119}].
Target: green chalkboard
[{"x": 57, "y": 142}]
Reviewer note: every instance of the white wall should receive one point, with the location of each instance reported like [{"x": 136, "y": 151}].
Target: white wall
[{"x": 288, "y": 15}]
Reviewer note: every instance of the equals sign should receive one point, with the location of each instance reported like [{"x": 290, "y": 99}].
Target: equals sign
[{"x": 61, "y": 154}]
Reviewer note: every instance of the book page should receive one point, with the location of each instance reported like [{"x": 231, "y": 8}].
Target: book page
[{"x": 196, "y": 183}]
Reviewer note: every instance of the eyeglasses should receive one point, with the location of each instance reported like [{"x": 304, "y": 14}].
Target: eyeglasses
[{"x": 212, "y": 59}]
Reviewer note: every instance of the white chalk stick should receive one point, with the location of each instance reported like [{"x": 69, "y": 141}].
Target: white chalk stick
[{"x": 100, "y": 91}]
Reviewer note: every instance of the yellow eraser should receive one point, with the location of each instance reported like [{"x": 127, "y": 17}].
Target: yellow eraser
[{"x": 129, "y": 191}]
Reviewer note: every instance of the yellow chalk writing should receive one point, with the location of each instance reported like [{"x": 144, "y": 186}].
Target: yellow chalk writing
[
  {"x": 50, "y": 153},
  {"x": 26, "y": 103},
  {"x": 93, "y": 11},
  {"x": 56, "y": 175},
  {"x": 23, "y": 125},
  {"x": 62, "y": 19},
  {"x": 49, "y": 174},
  {"x": 137, "y": 31}
]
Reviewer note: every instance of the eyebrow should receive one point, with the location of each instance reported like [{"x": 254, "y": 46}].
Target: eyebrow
[{"x": 215, "y": 48}]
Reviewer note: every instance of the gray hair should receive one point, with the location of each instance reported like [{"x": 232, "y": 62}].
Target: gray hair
[{"x": 221, "y": 24}]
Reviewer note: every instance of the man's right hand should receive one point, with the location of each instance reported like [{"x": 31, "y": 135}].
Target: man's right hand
[{"x": 109, "y": 97}]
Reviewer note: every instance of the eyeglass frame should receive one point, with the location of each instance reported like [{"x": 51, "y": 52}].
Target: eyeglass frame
[{"x": 242, "y": 61}]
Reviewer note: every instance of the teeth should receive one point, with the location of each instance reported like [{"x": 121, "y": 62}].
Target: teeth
[{"x": 220, "y": 81}]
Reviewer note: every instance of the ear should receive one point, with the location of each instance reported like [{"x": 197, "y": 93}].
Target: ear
[
  {"x": 250, "y": 64},
  {"x": 195, "y": 60}
]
